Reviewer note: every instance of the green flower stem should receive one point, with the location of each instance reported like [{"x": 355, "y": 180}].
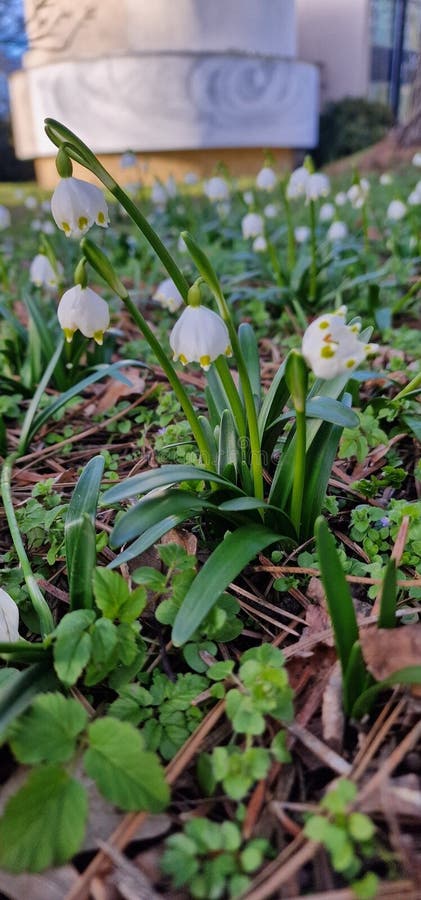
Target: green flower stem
[
  {"x": 67, "y": 141},
  {"x": 277, "y": 271},
  {"x": 234, "y": 400},
  {"x": 38, "y": 601},
  {"x": 401, "y": 303},
  {"x": 313, "y": 246},
  {"x": 296, "y": 376},
  {"x": 413, "y": 385},
  {"x": 365, "y": 227},
  {"x": 290, "y": 228}
]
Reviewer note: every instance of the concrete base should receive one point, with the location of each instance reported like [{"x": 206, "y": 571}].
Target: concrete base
[{"x": 177, "y": 163}]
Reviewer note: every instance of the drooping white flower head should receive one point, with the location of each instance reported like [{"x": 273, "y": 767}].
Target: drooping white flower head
[
  {"x": 341, "y": 198},
  {"x": 271, "y": 211},
  {"x": 416, "y": 159},
  {"x": 36, "y": 225},
  {"x": 396, "y": 210},
  {"x": 252, "y": 225},
  {"x": 317, "y": 185},
  {"x": 266, "y": 179},
  {"x": 5, "y": 217},
  {"x": 171, "y": 186},
  {"x": 331, "y": 347},
  {"x": 414, "y": 198},
  {"x": 48, "y": 227},
  {"x": 248, "y": 198},
  {"x": 76, "y": 205},
  {"x": 9, "y": 618},
  {"x": 385, "y": 179},
  {"x": 337, "y": 231},
  {"x": 191, "y": 178},
  {"x": 260, "y": 244},
  {"x": 81, "y": 309},
  {"x": 199, "y": 335},
  {"x": 301, "y": 233},
  {"x": 168, "y": 295},
  {"x": 358, "y": 193},
  {"x": 42, "y": 273},
  {"x": 326, "y": 212},
  {"x": 128, "y": 160},
  {"x": 216, "y": 188},
  {"x": 30, "y": 202},
  {"x": 159, "y": 195},
  {"x": 296, "y": 186}
]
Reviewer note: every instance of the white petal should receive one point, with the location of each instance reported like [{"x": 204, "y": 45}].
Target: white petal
[{"x": 9, "y": 618}]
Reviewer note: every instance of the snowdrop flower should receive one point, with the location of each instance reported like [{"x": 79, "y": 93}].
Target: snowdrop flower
[
  {"x": 260, "y": 244},
  {"x": 168, "y": 295},
  {"x": 341, "y": 198},
  {"x": 396, "y": 210},
  {"x": 46, "y": 206},
  {"x": 385, "y": 178},
  {"x": 296, "y": 186},
  {"x": 252, "y": 225},
  {"x": 84, "y": 310},
  {"x": 326, "y": 213},
  {"x": 48, "y": 227},
  {"x": 36, "y": 225},
  {"x": 416, "y": 159},
  {"x": 200, "y": 335},
  {"x": 301, "y": 234},
  {"x": 191, "y": 178},
  {"x": 76, "y": 205},
  {"x": 271, "y": 211},
  {"x": 331, "y": 348},
  {"x": 317, "y": 185},
  {"x": 266, "y": 179},
  {"x": 216, "y": 188},
  {"x": 337, "y": 231},
  {"x": 9, "y": 618},
  {"x": 5, "y": 217},
  {"x": 248, "y": 198},
  {"x": 30, "y": 202},
  {"x": 358, "y": 193},
  {"x": 414, "y": 198},
  {"x": 158, "y": 194},
  {"x": 128, "y": 160},
  {"x": 42, "y": 273}
]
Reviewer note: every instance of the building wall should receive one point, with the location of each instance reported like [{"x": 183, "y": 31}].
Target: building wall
[{"x": 336, "y": 35}]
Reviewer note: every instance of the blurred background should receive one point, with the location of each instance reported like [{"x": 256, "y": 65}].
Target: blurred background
[{"x": 189, "y": 84}]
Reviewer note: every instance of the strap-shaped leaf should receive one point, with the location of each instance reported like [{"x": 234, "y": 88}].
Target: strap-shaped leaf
[
  {"x": 408, "y": 675},
  {"x": 224, "y": 564},
  {"x": 83, "y": 562},
  {"x": 250, "y": 351},
  {"x": 84, "y": 501},
  {"x": 387, "y": 614},
  {"x": 228, "y": 443},
  {"x": 356, "y": 679},
  {"x": 154, "y": 534},
  {"x": 338, "y": 596},
  {"x": 157, "y": 478},
  {"x": 150, "y": 510}
]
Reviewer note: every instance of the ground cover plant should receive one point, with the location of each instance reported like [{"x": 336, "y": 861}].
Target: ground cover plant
[{"x": 210, "y": 539}]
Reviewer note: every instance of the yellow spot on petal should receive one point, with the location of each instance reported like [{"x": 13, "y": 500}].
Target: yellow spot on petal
[
  {"x": 327, "y": 352},
  {"x": 228, "y": 351},
  {"x": 100, "y": 218},
  {"x": 350, "y": 363},
  {"x": 82, "y": 222},
  {"x": 324, "y": 324},
  {"x": 205, "y": 361},
  {"x": 68, "y": 334},
  {"x": 98, "y": 337},
  {"x": 66, "y": 227},
  {"x": 183, "y": 359},
  {"x": 354, "y": 328}
]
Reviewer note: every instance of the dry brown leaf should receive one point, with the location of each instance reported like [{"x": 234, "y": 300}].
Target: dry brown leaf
[
  {"x": 333, "y": 719},
  {"x": 116, "y": 390},
  {"x": 53, "y": 884},
  {"x": 386, "y": 650},
  {"x": 183, "y": 538}
]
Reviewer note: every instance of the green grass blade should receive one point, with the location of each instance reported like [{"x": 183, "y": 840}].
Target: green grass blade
[
  {"x": 387, "y": 614},
  {"x": 338, "y": 596},
  {"x": 33, "y": 406},
  {"x": 224, "y": 564}
]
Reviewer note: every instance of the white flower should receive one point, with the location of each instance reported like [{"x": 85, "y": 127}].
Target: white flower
[
  {"x": 271, "y": 211},
  {"x": 301, "y": 233},
  {"x": 297, "y": 183},
  {"x": 248, "y": 198},
  {"x": 128, "y": 160},
  {"x": 266, "y": 179},
  {"x": 84, "y": 310},
  {"x": 358, "y": 193},
  {"x": 9, "y": 618},
  {"x": 36, "y": 225},
  {"x": 260, "y": 244},
  {"x": 317, "y": 185},
  {"x": 76, "y": 205},
  {"x": 42, "y": 274},
  {"x": 191, "y": 178},
  {"x": 414, "y": 198},
  {"x": 5, "y": 217},
  {"x": 158, "y": 194},
  {"x": 199, "y": 335},
  {"x": 337, "y": 231},
  {"x": 396, "y": 210},
  {"x": 331, "y": 348},
  {"x": 385, "y": 178},
  {"x": 416, "y": 159},
  {"x": 341, "y": 198},
  {"x": 326, "y": 212},
  {"x": 168, "y": 295},
  {"x": 216, "y": 188},
  {"x": 46, "y": 206},
  {"x": 48, "y": 227},
  {"x": 30, "y": 202},
  {"x": 252, "y": 225}
]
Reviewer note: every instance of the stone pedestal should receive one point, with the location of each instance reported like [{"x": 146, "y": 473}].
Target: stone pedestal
[{"x": 183, "y": 83}]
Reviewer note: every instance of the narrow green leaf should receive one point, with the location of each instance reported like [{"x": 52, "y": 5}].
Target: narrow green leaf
[
  {"x": 19, "y": 691},
  {"x": 84, "y": 500},
  {"x": 157, "y": 478},
  {"x": 338, "y": 596},
  {"x": 48, "y": 731},
  {"x": 33, "y": 406},
  {"x": 149, "y": 537},
  {"x": 228, "y": 443},
  {"x": 409, "y": 675},
  {"x": 250, "y": 351},
  {"x": 387, "y": 614},
  {"x": 83, "y": 562},
  {"x": 273, "y": 402},
  {"x": 356, "y": 678},
  {"x": 151, "y": 510},
  {"x": 224, "y": 564},
  {"x": 44, "y": 822},
  {"x": 124, "y": 772}
]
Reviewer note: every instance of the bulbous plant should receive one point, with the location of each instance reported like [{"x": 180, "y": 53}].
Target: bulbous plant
[{"x": 286, "y": 439}]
